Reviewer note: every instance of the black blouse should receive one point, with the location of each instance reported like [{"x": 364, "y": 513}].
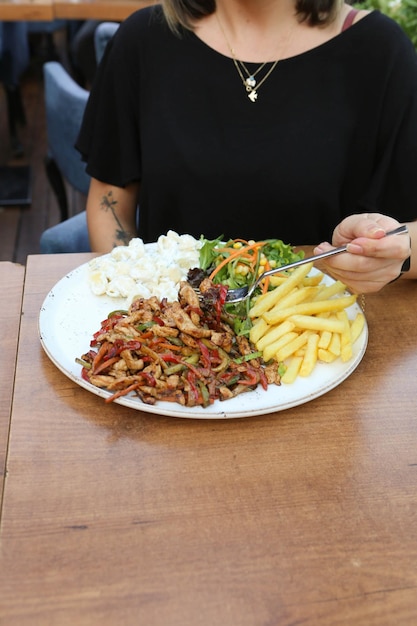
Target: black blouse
[{"x": 333, "y": 132}]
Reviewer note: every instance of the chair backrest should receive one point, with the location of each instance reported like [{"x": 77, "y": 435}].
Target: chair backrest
[
  {"x": 102, "y": 35},
  {"x": 65, "y": 103}
]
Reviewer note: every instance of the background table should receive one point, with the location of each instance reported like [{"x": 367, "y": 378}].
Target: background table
[
  {"x": 34, "y": 10},
  {"x": 117, "y": 10},
  {"x": 309, "y": 516},
  {"x": 26, "y": 10},
  {"x": 11, "y": 281}
]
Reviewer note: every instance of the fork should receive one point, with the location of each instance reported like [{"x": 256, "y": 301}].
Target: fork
[{"x": 238, "y": 295}]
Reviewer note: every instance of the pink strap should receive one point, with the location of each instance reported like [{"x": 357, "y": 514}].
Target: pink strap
[{"x": 349, "y": 19}]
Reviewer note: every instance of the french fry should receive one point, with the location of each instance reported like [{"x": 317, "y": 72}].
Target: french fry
[
  {"x": 259, "y": 328},
  {"x": 303, "y": 321},
  {"x": 308, "y": 308},
  {"x": 326, "y": 356},
  {"x": 271, "y": 349},
  {"x": 300, "y": 352},
  {"x": 296, "y": 296},
  {"x": 335, "y": 345},
  {"x": 292, "y": 370},
  {"x": 292, "y": 346},
  {"x": 313, "y": 281},
  {"x": 311, "y": 322},
  {"x": 356, "y": 326},
  {"x": 274, "y": 333},
  {"x": 345, "y": 337},
  {"x": 277, "y": 280},
  {"x": 310, "y": 356},
  {"x": 329, "y": 291},
  {"x": 269, "y": 299},
  {"x": 325, "y": 338}
]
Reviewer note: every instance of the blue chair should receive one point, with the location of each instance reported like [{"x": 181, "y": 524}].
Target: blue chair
[
  {"x": 63, "y": 94},
  {"x": 65, "y": 103},
  {"x": 102, "y": 35}
]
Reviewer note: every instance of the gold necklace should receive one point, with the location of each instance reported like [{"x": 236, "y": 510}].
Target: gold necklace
[{"x": 250, "y": 83}]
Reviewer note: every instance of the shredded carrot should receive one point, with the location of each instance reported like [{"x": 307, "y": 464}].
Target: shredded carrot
[
  {"x": 235, "y": 254},
  {"x": 105, "y": 364},
  {"x": 123, "y": 392},
  {"x": 265, "y": 285},
  {"x": 170, "y": 346},
  {"x": 100, "y": 354}
]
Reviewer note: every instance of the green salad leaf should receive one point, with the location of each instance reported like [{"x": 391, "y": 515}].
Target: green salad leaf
[{"x": 238, "y": 270}]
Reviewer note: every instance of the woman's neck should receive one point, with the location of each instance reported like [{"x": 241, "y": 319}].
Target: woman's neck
[{"x": 261, "y": 30}]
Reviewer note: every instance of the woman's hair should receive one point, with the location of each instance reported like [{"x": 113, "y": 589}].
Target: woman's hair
[{"x": 186, "y": 12}]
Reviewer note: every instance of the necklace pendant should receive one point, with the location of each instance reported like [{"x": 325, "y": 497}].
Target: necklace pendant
[
  {"x": 252, "y": 95},
  {"x": 250, "y": 81}
]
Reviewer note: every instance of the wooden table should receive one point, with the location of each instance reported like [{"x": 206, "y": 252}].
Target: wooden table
[
  {"x": 11, "y": 281},
  {"x": 26, "y": 10},
  {"x": 116, "y": 10},
  {"x": 34, "y": 10},
  {"x": 308, "y": 516}
]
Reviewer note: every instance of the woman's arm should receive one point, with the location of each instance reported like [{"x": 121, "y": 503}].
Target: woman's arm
[{"x": 111, "y": 215}]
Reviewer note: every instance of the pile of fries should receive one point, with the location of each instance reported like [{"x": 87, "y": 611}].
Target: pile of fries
[{"x": 303, "y": 321}]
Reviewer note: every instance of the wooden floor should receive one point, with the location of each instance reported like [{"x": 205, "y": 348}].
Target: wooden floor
[{"x": 21, "y": 228}]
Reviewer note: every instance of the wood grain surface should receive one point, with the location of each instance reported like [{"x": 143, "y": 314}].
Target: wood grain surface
[
  {"x": 26, "y": 10},
  {"x": 11, "y": 282},
  {"x": 116, "y": 10},
  {"x": 34, "y": 10},
  {"x": 307, "y": 516}
]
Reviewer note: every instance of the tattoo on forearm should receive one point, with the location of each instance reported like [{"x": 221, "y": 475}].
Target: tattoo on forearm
[{"x": 108, "y": 203}]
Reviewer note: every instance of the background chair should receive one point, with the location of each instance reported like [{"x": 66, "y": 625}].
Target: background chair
[
  {"x": 65, "y": 103},
  {"x": 102, "y": 35}
]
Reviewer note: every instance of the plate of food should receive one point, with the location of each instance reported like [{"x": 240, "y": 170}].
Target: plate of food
[{"x": 129, "y": 328}]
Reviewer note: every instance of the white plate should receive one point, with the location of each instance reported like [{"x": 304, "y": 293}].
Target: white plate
[{"x": 71, "y": 314}]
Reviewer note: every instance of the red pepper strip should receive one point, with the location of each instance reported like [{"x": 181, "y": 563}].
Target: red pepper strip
[
  {"x": 205, "y": 355},
  {"x": 220, "y": 300},
  {"x": 158, "y": 320},
  {"x": 84, "y": 374},
  {"x": 263, "y": 379},
  {"x": 110, "y": 322},
  {"x": 150, "y": 379},
  {"x": 253, "y": 380},
  {"x": 193, "y": 309},
  {"x": 191, "y": 381},
  {"x": 119, "y": 345},
  {"x": 106, "y": 325}
]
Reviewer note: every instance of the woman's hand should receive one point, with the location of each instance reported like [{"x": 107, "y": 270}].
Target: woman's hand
[{"x": 372, "y": 260}]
